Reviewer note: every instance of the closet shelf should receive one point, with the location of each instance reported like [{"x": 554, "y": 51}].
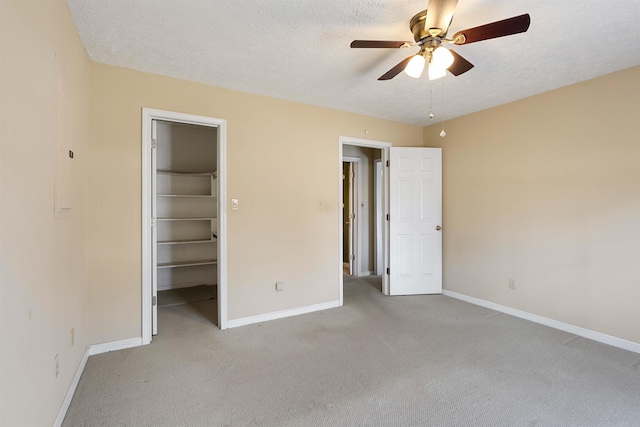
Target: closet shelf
[
  {"x": 183, "y": 242},
  {"x": 187, "y": 263},
  {"x": 187, "y": 219},
  {"x": 167, "y": 172},
  {"x": 186, "y": 195}
]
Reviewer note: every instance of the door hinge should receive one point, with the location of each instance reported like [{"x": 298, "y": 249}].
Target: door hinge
[
  {"x": 154, "y": 143},
  {"x": 352, "y": 216},
  {"x": 153, "y": 222},
  {"x": 388, "y": 271},
  {"x": 388, "y": 217},
  {"x": 154, "y": 300},
  {"x": 353, "y": 257},
  {"x": 387, "y": 163},
  {"x": 352, "y": 175}
]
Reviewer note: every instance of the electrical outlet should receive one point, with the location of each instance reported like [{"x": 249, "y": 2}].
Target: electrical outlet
[
  {"x": 57, "y": 360},
  {"x": 279, "y": 286},
  {"x": 512, "y": 283},
  {"x": 73, "y": 338},
  {"x": 234, "y": 204}
]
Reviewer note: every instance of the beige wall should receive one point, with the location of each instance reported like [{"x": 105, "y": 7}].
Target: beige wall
[
  {"x": 282, "y": 158},
  {"x": 547, "y": 190},
  {"x": 43, "y": 261}
]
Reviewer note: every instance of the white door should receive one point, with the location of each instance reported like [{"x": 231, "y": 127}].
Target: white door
[{"x": 415, "y": 209}]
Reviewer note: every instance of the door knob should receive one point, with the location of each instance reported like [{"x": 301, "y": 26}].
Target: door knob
[{"x": 438, "y": 228}]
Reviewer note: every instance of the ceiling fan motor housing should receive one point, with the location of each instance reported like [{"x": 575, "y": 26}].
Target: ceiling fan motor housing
[{"x": 418, "y": 29}]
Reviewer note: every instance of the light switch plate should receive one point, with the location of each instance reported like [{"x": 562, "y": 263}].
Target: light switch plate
[{"x": 234, "y": 204}]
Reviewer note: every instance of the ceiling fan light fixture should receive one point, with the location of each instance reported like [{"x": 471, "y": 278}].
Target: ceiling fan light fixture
[
  {"x": 436, "y": 72},
  {"x": 415, "y": 66},
  {"x": 442, "y": 57}
]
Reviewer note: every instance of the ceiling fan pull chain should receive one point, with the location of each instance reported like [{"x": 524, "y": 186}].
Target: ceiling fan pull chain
[
  {"x": 443, "y": 133},
  {"x": 430, "y": 103}
]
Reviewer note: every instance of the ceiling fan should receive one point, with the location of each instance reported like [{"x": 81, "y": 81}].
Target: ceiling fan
[{"x": 429, "y": 29}]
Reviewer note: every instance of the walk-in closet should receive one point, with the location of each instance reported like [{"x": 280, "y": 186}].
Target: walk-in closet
[{"x": 186, "y": 207}]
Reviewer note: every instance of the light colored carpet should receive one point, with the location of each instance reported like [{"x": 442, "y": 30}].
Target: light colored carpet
[
  {"x": 383, "y": 361},
  {"x": 186, "y": 295}
]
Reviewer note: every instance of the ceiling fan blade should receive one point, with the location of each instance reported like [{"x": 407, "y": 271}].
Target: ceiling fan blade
[
  {"x": 396, "y": 70},
  {"x": 370, "y": 44},
  {"x": 440, "y": 15},
  {"x": 460, "y": 65},
  {"x": 506, "y": 27}
]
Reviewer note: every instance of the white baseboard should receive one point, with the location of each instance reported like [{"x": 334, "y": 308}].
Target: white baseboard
[
  {"x": 234, "y": 323},
  {"x": 72, "y": 389},
  {"x": 572, "y": 329},
  {"x": 365, "y": 273},
  {"x": 90, "y": 351},
  {"x": 114, "y": 345}
]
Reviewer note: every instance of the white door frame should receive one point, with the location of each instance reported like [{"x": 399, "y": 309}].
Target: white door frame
[
  {"x": 354, "y": 242},
  {"x": 378, "y": 198},
  {"x": 380, "y": 145},
  {"x": 148, "y": 115}
]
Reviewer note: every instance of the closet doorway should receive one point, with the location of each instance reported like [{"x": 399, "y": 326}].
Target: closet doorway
[{"x": 184, "y": 224}]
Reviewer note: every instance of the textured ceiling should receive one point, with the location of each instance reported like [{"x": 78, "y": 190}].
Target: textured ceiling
[{"x": 299, "y": 49}]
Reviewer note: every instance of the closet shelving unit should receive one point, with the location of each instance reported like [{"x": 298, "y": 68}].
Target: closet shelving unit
[{"x": 187, "y": 225}]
